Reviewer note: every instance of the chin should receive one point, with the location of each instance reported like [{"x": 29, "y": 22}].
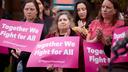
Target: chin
[{"x": 82, "y": 18}]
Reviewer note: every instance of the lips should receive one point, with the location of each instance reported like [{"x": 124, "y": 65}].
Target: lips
[{"x": 28, "y": 15}]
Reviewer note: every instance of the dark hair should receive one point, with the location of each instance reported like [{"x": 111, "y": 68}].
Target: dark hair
[
  {"x": 126, "y": 15},
  {"x": 126, "y": 10},
  {"x": 76, "y": 13},
  {"x": 54, "y": 27},
  {"x": 0, "y": 3},
  {"x": 116, "y": 16},
  {"x": 35, "y": 3}
]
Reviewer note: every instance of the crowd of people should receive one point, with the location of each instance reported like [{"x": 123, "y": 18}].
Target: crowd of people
[{"x": 58, "y": 23}]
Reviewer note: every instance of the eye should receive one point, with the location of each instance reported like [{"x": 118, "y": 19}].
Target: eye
[
  {"x": 109, "y": 7},
  {"x": 65, "y": 19},
  {"x": 32, "y": 9},
  {"x": 60, "y": 20},
  {"x": 26, "y": 9},
  {"x": 83, "y": 9},
  {"x": 103, "y": 7}
]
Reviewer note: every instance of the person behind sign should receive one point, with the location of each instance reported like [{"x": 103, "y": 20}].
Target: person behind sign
[
  {"x": 62, "y": 26},
  {"x": 47, "y": 19},
  {"x": 102, "y": 28},
  {"x": 122, "y": 66},
  {"x": 41, "y": 8},
  {"x": 81, "y": 15},
  {"x": 31, "y": 14}
]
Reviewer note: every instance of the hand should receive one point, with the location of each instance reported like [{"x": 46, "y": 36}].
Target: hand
[
  {"x": 107, "y": 40},
  {"x": 14, "y": 54},
  {"x": 50, "y": 67},
  {"x": 80, "y": 30},
  {"x": 98, "y": 37},
  {"x": 18, "y": 51},
  {"x": 54, "y": 69},
  {"x": 99, "y": 34},
  {"x": 81, "y": 24}
]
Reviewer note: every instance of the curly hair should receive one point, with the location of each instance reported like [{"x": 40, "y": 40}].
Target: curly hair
[{"x": 54, "y": 27}]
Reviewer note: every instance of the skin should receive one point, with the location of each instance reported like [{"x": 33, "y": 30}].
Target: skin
[
  {"x": 41, "y": 7},
  {"x": 63, "y": 22},
  {"x": 107, "y": 10},
  {"x": 30, "y": 12},
  {"x": 81, "y": 10}
]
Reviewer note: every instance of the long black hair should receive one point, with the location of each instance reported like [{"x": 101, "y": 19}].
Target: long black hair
[{"x": 76, "y": 12}]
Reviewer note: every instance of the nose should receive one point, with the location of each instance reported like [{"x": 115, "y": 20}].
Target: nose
[
  {"x": 28, "y": 11},
  {"x": 81, "y": 11},
  {"x": 104, "y": 9},
  {"x": 62, "y": 21}
]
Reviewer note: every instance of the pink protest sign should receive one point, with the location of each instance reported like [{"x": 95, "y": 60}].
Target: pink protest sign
[
  {"x": 94, "y": 56},
  {"x": 119, "y": 34},
  {"x": 3, "y": 50},
  {"x": 21, "y": 35},
  {"x": 58, "y": 51}
]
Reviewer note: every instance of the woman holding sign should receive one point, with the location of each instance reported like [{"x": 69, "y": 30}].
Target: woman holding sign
[
  {"x": 102, "y": 28},
  {"x": 62, "y": 26},
  {"x": 31, "y": 14}
]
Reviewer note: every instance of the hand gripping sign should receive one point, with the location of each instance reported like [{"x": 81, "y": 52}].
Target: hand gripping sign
[{"x": 22, "y": 35}]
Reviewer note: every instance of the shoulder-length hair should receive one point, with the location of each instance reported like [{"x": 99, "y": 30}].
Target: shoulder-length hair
[
  {"x": 54, "y": 27},
  {"x": 76, "y": 12},
  {"x": 116, "y": 16},
  {"x": 35, "y": 3}
]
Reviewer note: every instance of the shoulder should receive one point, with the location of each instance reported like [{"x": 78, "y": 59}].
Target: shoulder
[
  {"x": 38, "y": 20},
  {"x": 50, "y": 35},
  {"x": 120, "y": 23},
  {"x": 94, "y": 23}
]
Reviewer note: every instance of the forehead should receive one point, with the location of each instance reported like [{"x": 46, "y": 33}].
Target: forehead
[
  {"x": 107, "y": 3},
  {"x": 81, "y": 5},
  {"x": 63, "y": 16},
  {"x": 29, "y": 4}
]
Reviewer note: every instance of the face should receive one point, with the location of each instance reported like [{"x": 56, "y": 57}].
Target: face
[
  {"x": 30, "y": 11},
  {"x": 82, "y": 10},
  {"x": 107, "y": 9},
  {"x": 63, "y": 22},
  {"x": 41, "y": 7},
  {"x": 47, "y": 12}
]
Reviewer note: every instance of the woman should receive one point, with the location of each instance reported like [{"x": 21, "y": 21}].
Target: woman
[
  {"x": 108, "y": 19},
  {"x": 58, "y": 29},
  {"x": 82, "y": 16},
  {"x": 41, "y": 8},
  {"x": 121, "y": 66},
  {"x": 82, "y": 13},
  {"x": 31, "y": 14},
  {"x": 62, "y": 26},
  {"x": 47, "y": 19}
]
